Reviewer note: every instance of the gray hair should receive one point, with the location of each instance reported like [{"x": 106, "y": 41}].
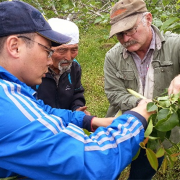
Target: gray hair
[{"x": 144, "y": 20}]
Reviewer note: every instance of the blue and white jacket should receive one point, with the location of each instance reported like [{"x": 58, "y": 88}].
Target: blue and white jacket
[{"x": 40, "y": 142}]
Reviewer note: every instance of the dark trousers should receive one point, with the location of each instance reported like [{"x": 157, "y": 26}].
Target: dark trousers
[{"x": 141, "y": 169}]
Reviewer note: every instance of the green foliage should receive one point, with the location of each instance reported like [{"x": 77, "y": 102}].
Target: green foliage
[
  {"x": 165, "y": 118},
  {"x": 165, "y": 12}
]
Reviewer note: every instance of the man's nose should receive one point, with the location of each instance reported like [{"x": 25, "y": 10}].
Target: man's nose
[
  {"x": 50, "y": 61},
  {"x": 68, "y": 55},
  {"x": 126, "y": 37}
]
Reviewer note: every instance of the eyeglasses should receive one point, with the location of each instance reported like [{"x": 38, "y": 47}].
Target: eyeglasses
[
  {"x": 49, "y": 50},
  {"x": 129, "y": 32}
]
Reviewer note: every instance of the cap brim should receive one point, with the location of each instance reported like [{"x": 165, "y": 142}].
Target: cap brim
[
  {"x": 55, "y": 37},
  {"x": 123, "y": 25}
]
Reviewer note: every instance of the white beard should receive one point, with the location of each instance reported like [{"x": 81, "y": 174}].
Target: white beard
[{"x": 63, "y": 69}]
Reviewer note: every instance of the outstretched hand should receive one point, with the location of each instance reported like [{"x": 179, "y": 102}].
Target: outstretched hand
[
  {"x": 174, "y": 87},
  {"x": 84, "y": 110}
]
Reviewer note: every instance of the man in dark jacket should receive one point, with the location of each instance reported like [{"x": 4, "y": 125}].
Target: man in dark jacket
[{"x": 62, "y": 88}]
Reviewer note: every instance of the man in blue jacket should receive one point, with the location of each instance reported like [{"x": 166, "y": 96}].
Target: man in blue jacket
[
  {"x": 41, "y": 142},
  {"x": 62, "y": 88}
]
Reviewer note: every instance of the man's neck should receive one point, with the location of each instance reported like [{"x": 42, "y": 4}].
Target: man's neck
[{"x": 55, "y": 70}]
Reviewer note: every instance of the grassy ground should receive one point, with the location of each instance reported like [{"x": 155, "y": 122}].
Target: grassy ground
[{"x": 92, "y": 49}]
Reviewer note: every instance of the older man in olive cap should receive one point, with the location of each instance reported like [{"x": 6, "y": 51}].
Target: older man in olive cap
[{"x": 144, "y": 60}]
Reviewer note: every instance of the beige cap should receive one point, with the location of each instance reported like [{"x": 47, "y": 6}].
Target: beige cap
[{"x": 124, "y": 14}]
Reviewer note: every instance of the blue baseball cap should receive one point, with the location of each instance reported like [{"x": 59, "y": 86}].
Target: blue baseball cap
[{"x": 17, "y": 17}]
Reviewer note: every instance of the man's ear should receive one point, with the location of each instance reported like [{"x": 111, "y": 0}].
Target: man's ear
[
  {"x": 149, "y": 18},
  {"x": 13, "y": 44}
]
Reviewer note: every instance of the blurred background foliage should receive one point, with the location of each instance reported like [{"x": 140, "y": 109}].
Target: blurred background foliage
[{"x": 90, "y": 12}]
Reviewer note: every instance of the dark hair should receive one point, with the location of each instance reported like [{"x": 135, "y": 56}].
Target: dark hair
[
  {"x": 2, "y": 41},
  {"x": 27, "y": 42}
]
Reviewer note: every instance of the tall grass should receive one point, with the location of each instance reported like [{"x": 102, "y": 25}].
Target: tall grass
[{"x": 92, "y": 49}]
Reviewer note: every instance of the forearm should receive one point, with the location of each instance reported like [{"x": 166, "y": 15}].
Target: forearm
[{"x": 104, "y": 122}]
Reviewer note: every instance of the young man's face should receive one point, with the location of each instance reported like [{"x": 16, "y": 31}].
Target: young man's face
[
  {"x": 35, "y": 61},
  {"x": 64, "y": 55}
]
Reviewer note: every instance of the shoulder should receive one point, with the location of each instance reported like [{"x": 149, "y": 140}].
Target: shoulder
[
  {"x": 114, "y": 53},
  {"x": 169, "y": 36},
  {"x": 75, "y": 62},
  {"x": 117, "y": 48},
  {"x": 75, "y": 66}
]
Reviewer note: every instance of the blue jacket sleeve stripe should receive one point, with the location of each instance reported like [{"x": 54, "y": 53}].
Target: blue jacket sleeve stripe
[
  {"x": 30, "y": 111},
  {"x": 76, "y": 129},
  {"x": 44, "y": 121},
  {"x": 91, "y": 144},
  {"x": 18, "y": 105}
]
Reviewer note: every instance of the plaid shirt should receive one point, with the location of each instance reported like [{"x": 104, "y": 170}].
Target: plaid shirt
[{"x": 143, "y": 64}]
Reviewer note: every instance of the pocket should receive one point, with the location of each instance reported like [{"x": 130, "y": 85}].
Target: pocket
[
  {"x": 163, "y": 76},
  {"x": 128, "y": 77}
]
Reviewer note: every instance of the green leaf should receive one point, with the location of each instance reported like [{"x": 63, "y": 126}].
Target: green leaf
[
  {"x": 142, "y": 144},
  {"x": 153, "y": 138},
  {"x": 154, "y": 2},
  {"x": 165, "y": 104},
  {"x": 163, "y": 98},
  {"x": 164, "y": 165},
  {"x": 161, "y": 135},
  {"x": 97, "y": 20},
  {"x": 166, "y": 2},
  {"x": 86, "y": 132},
  {"x": 151, "y": 107},
  {"x": 137, "y": 154},
  {"x": 149, "y": 129},
  {"x": 171, "y": 161},
  {"x": 157, "y": 22},
  {"x": 160, "y": 152},
  {"x": 152, "y": 159},
  {"x": 167, "y": 124},
  {"x": 168, "y": 151},
  {"x": 173, "y": 158},
  {"x": 170, "y": 21},
  {"x": 162, "y": 114},
  {"x": 175, "y": 97}
]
